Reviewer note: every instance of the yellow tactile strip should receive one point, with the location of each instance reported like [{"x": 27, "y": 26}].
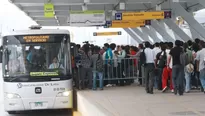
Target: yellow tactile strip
[{"x": 75, "y": 113}]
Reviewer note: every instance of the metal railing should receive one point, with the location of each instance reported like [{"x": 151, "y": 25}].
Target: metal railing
[{"x": 115, "y": 70}]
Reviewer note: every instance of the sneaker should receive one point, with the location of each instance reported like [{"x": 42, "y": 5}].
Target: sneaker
[
  {"x": 163, "y": 90},
  {"x": 108, "y": 85},
  {"x": 172, "y": 90}
]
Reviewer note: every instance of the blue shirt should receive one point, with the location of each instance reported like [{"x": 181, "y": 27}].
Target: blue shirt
[{"x": 108, "y": 56}]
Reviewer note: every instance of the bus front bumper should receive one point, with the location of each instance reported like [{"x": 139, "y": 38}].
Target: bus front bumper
[{"x": 23, "y": 104}]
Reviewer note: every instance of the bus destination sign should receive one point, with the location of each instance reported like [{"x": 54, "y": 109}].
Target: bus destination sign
[{"x": 36, "y": 38}]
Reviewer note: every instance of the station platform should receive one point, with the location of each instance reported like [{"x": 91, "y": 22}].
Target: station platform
[{"x": 133, "y": 101}]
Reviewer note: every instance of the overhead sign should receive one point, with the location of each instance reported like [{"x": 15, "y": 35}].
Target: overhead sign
[
  {"x": 36, "y": 38},
  {"x": 49, "y": 10},
  {"x": 143, "y": 15},
  {"x": 127, "y": 23},
  {"x": 87, "y": 18},
  {"x": 107, "y": 33}
]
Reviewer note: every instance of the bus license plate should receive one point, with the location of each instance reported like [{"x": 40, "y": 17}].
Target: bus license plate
[{"x": 38, "y": 104}]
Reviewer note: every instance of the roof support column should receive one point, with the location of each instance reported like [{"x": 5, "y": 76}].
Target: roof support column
[
  {"x": 175, "y": 28},
  {"x": 202, "y": 2},
  {"x": 142, "y": 35},
  {"x": 159, "y": 8},
  {"x": 84, "y": 6},
  {"x": 162, "y": 31},
  {"x": 194, "y": 34},
  {"x": 177, "y": 8},
  {"x": 132, "y": 35},
  {"x": 151, "y": 33}
]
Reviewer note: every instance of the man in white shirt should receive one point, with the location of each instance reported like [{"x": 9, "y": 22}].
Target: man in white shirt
[
  {"x": 149, "y": 68},
  {"x": 201, "y": 63},
  {"x": 157, "y": 49}
]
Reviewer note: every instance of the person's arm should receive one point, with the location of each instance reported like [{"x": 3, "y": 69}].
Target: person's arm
[
  {"x": 197, "y": 61},
  {"x": 122, "y": 55},
  {"x": 155, "y": 58},
  {"x": 169, "y": 58}
]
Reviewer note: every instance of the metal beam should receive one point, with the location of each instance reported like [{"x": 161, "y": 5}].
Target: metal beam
[
  {"x": 168, "y": 30},
  {"x": 194, "y": 33},
  {"x": 82, "y": 1},
  {"x": 162, "y": 31},
  {"x": 35, "y": 14},
  {"x": 177, "y": 30},
  {"x": 202, "y": 2},
  {"x": 178, "y": 9},
  {"x": 151, "y": 34},
  {"x": 132, "y": 35},
  {"x": 144, "y": 36}
]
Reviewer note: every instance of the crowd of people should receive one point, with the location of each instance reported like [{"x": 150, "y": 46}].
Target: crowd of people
[{"x": 178, "y": 66}]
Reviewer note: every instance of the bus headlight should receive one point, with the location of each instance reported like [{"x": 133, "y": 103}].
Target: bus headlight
[
  {"x": 12, "y": 96},
  {"x": 63, "y": 94}
]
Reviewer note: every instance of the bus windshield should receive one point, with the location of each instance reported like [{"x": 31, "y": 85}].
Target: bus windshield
[{"x": 36, "y": 58}]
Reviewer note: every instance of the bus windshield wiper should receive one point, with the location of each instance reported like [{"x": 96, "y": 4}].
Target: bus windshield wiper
[{"x": 21, "y": 77}]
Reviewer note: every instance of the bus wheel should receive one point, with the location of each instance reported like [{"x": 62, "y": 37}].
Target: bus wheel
[{"x": 11, "y": 112}]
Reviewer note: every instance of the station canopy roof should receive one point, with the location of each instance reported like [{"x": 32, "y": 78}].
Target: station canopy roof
[{"x": 35, "y": 8}]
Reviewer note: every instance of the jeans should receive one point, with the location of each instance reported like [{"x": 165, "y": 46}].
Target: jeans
[
  {"x": 188, "y": 81},
  {"x": 178, "y": 78},
  {"x": 85, "y": 72},
  {"x": 149, "y": 77},
  {"x": 100, "y": 75},
  {"x": 158, "y": 79},
  {"x": 202, "y": 78}
]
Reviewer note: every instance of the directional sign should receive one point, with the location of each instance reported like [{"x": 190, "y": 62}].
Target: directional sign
[
  {"x": 143, "y": 15},
  {"x": 48, "y": 10},
  {"x": 127, "y": 24},
  {"x": 107, "y": 33},
  {"x": 87, "y": 18}
]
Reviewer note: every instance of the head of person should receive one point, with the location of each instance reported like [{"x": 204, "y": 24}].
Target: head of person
[
  {"x": 157, "y": 44},
  {"x": 86, "y": 48},
  {"x": 96, "y": 50},
  {"x": 185, "y": 46},
  {"x": 161, "y": 43},
  {"x": 55, "y": 59},
  {"x": 163, "y": 47},
  {"x": 147, "y": 44},
  {"x": 195, "y": 47},
  {"x": 189, "y": 43},
  {"x": 170, "y": 45},
  {"x": 78, "y": 46},
  {"x": 202, "y": 44},
  {"x": 178, "y": 43},
  {"x": 119, "y": 48},
  {"x": 140, "y": 46},
  {"x": 197, "y": 40},
  {"x": 112, "y": 46},
  {"x": 106, "y": 46},
  {"x": 31, "y": 48}
]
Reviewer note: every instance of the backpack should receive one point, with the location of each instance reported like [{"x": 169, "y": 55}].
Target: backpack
[
  {"x": 184, "y": 59},
  {"x": 162, "y": 59},
  {"x": 99, "y": 64},
  {"x": 142, "y": 57}
]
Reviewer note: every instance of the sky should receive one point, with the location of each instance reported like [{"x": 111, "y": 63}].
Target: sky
[{"x": 13, "y": 18}]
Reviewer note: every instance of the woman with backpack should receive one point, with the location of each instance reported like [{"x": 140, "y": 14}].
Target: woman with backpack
[{"x": 97, "y": 68}]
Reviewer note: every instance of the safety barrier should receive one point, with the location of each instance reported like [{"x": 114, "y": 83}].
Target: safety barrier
[{"x": 115, "y": 70}]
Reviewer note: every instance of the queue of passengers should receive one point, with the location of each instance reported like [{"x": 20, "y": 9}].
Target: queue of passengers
[{"x": 181, "y": 66}]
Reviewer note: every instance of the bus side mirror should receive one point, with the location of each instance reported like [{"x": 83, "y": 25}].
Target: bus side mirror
[{"x": 1, "y": 54}]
